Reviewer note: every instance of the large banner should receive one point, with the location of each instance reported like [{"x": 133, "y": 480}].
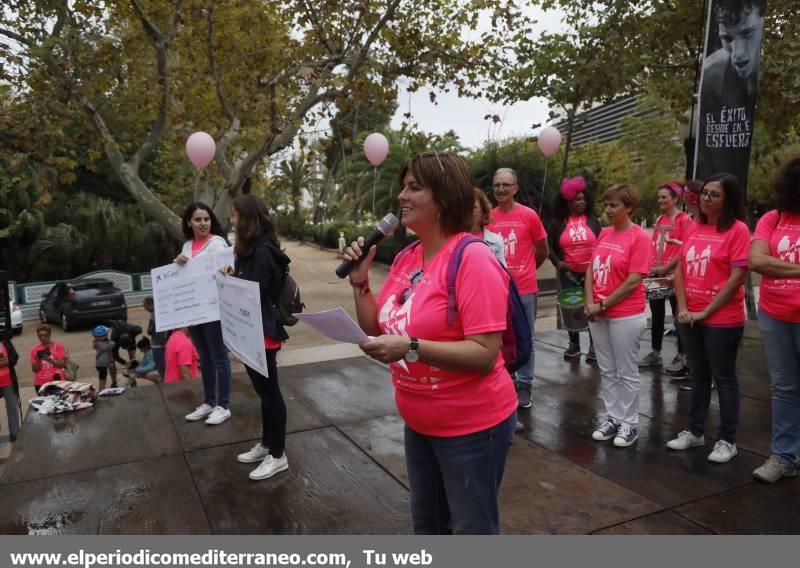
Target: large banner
[{"x": 728, "y": 88}]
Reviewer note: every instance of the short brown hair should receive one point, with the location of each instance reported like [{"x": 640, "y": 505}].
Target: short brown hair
[
  {"x": 448, "y": 177},
  {"x": 44, "y": 327},
  {"x": 485, "y": 205},
  {"x": 624, "y": 192}
]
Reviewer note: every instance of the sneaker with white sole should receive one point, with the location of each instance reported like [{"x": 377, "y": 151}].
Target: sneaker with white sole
[
  {"x": 606, "y": 431},
  {"x": 686, "y": 440},
  {"x": 200, "y": 412},
  {"x": 723, "y": 452},
  {"x": 626, "y": 435},
  {"x": 774, "y": 470},
  {"x": 269, "y": 467},
  {"x": 255, "y": 454},
  {"x": 652, "y": 359},
  {"x": 677, "y": 364},
  {"x": 218, "y": 416}
]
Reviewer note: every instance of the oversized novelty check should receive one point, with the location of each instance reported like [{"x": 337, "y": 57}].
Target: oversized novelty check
[
  {"x": 240, "y": 315},
  {"x": 185, "y": 295}
]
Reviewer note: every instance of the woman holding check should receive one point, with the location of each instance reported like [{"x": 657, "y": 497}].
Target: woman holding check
[{"x": 451, "y": 385}]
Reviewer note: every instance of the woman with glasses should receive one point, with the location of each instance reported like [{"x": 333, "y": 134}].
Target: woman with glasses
[
  {"x": 775, "y": 254},
  {"x": 668, "y": 236},
  {"x": 451, "y": 385},
  {"x": 709, "y": 282},
  {"x": 616, "y": 302},
  {"x": 571, "y": 236}
]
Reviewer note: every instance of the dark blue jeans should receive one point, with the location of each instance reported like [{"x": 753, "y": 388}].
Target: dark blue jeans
[
  {"x": 273, "y": 407},
  {"x": 455, "y": 481},
  {"x": 214, "y": 363},
  {"x": 711, "y": 353}
]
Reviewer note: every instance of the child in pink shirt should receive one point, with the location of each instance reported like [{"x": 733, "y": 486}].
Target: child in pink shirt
[
  {"x": 181, "y": 357},
  {"x": 616, "y": 297}
]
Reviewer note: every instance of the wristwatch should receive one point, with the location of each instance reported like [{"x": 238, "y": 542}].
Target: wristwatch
[
  {"x": 412, "y": 355},
  {"x": 602, "y": 305}
]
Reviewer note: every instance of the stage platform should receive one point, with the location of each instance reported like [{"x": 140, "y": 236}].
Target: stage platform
[{"x": 133, "y": 465}]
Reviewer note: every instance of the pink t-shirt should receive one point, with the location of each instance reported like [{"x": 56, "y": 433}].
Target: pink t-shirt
[
  {"x": 438, "y": 402},
  {"x": 521, "y": 229},
  {"x": 47, "y": 371},
  {"x": 617, "y": 254},
  {"x": 707, "y": 260},
  {"x": 5, "y": 372},
  {"x": 179, "y": 351},
  {"x": 780, "y": 297},
  {"x": 577, "y": 243},
  {"x": 197, "y": 245},
  {"x": 672, "y": 239}
]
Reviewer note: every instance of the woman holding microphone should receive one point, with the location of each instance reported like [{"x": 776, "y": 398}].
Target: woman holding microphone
[{"x": 451, "y": 386}]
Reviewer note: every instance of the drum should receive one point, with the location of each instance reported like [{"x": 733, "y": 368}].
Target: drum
[
  {"x": 657, "y": 288},
  {"x": 571, "y": 305}
]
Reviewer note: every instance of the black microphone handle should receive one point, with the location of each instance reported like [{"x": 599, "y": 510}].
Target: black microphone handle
[{"x": 348, "y": 265}]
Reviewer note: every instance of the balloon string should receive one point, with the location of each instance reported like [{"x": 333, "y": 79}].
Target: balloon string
[
  {"x": 196, "y": 185},
  {"x": 544, "y": 182},
  {"x": 374, "y": 184}
]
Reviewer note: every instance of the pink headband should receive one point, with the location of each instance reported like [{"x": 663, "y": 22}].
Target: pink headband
[
  {"x": 571, "y": 187},
  {"x": 674, "y": 186}
]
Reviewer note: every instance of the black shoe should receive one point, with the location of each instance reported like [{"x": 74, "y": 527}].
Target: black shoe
[
  {"x": 678, "y": 374},
  {"x": 590, "y": 356},
  {"x": 524, "y": 396},
  {"x": 574, "y": 350}
]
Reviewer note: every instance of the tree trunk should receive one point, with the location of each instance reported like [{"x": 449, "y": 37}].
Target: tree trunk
[{"x": 149, "y": 203}]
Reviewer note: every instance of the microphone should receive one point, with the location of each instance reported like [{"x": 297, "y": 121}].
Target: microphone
[{"x": 386, "y": 226}]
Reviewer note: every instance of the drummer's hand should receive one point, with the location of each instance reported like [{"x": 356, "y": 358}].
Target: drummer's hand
[{"x": 657, "y": 271}]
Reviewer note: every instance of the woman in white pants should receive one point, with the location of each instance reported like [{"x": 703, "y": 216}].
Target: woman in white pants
[{"x": 615, "y": 306}]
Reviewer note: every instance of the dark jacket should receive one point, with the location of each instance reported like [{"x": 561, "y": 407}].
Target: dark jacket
[
  {"x": 556, "y": 227},
  {"x": 266, "y": 264},
  {"x": 119, "y": 329}
]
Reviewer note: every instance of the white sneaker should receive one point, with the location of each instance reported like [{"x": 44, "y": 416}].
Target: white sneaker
[
  {"x": 269, "y": 467},
  {"x": 218, "y": 416},
  {"x": 723, "y": 452},
  {"x": 200, "y": 412},
  {"x": 254, "y": 454},
  {"x": 686, "y": 440}
]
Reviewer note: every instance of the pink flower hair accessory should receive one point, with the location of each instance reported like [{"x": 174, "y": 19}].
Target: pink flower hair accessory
[{"x": 571, "y": 187}]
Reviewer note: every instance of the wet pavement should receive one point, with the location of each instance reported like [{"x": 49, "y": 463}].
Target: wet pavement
[{"x": 134, "y": 465}]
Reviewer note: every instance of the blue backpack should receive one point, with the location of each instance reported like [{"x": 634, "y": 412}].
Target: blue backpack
[{"x": 517, "y": 340}]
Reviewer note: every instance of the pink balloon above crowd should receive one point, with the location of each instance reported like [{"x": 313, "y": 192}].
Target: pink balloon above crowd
[
  {"x": 200, "y": 149},
  {"x": 376, "y": 148},
  {"x": 549, "y": 141}
]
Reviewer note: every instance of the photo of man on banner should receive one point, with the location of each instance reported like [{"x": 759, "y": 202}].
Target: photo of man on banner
[{"x": 729, "y": 87}]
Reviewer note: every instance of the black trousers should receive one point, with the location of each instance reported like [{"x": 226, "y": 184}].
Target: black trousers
[
  {"x": 658, "y": 308},
  {"x": 273, "y": 408}
]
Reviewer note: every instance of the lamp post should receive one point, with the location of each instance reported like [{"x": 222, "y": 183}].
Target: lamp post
[{"x": 687, "y": 129}]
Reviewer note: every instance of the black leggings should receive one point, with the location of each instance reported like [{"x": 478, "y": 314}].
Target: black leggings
[
  {"x": 273, "y": 408},
  {"x": 659, "y": 309}
]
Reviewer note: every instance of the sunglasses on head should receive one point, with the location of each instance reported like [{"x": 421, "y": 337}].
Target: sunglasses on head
[{"x": 416, "y": 276}]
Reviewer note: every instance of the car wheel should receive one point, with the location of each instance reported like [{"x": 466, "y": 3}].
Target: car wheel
[
  {"x": 65, "y": 323},
  {"x": 42, "y": 316}
]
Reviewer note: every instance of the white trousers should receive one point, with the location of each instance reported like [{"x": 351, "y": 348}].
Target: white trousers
[{"x": 616, "y": 344}]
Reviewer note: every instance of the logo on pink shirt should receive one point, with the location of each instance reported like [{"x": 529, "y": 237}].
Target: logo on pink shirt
[
  {"x": 697, "y": 265},
  {"x": 577, "y": 234},
  {"x": 511, "y": 244},
  {"x": 788, "y": 252},
  {"x": 600, "y": 270}
]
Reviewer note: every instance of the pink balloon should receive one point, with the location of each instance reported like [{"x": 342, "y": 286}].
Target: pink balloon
[
  {"x": 376, "y": 148},
  {"x": 200, "y": 148},
  {"x": 549, "y": 141}
]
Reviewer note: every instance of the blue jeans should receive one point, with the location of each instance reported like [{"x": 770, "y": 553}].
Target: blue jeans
[
  {"x": 214, "y": 363},
  {"x": 455, "y": 481},
  {"x": 782, "y": 344},
  {"x": 524, "y": 377},
  {"x": 711, "y": 353}
]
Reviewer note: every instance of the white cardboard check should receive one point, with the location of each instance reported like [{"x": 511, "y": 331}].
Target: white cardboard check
[
  {"x": 185, "y": 295},
  {"x": 240, "y": 316}
]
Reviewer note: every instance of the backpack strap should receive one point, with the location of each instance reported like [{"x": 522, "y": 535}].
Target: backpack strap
[{"x": 452, "y": 272}]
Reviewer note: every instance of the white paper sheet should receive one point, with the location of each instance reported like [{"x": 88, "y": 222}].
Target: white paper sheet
[
  {"x": 185, "y": 295},
  {"x": 240, "y": 316},
  {"x": 335, "y": 324},
  {"x": 223, "y": 258}
]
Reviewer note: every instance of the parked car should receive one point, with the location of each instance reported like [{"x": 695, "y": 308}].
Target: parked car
[
  {"x": 83, "y": 301},
  {"x": 16, "y": 318}
]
